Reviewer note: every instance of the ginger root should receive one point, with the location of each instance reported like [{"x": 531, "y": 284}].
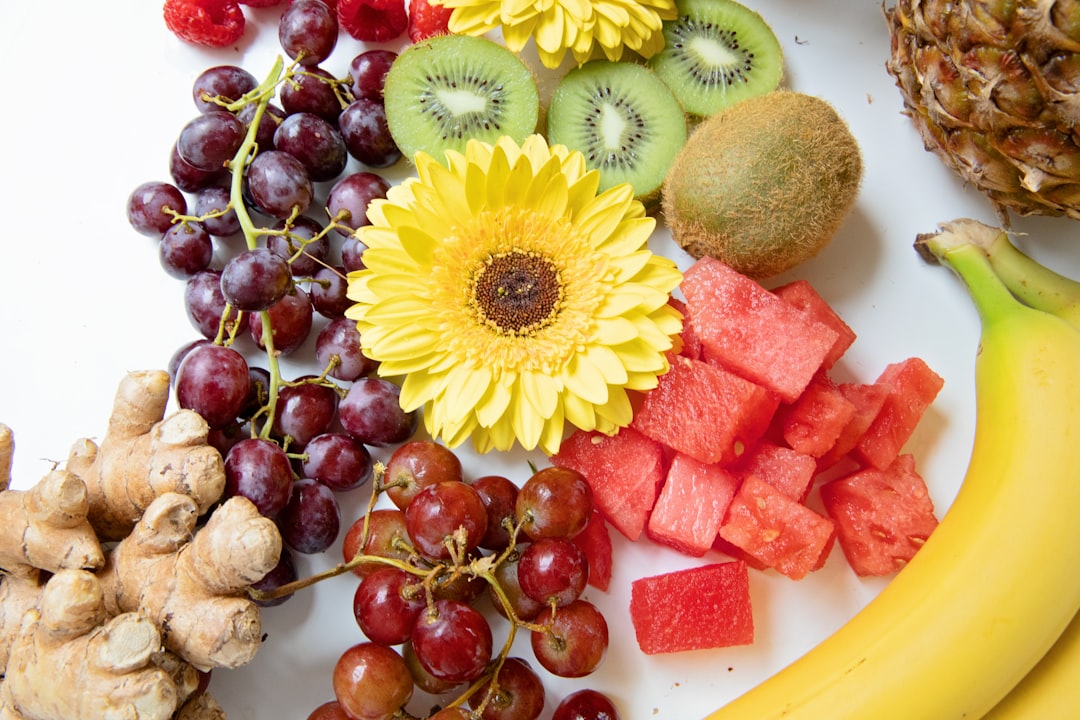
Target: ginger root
[
  {"x": 71, "y": 662},
  {"x": 144, "y": 455},
  {"x": 193, "y": 584}
]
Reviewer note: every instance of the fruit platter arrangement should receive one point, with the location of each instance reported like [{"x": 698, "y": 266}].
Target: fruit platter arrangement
[{"x": 492, "y": 360}]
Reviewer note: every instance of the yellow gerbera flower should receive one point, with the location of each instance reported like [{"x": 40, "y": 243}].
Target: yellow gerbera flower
[
  {"x": 557, "y": 26},
  {"x": 511, "y": 297}
]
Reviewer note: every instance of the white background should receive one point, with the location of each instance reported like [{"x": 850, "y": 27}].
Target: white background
[{"x": 95, "y": 94}]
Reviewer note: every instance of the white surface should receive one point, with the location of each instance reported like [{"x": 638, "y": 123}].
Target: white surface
[{"x": 94, "y": 96}]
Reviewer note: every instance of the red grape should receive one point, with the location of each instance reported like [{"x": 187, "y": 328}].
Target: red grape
[
  {"x": 255, "y": 279},
  {"x": 337, "y": 460},
  {"x": 452, "y": 641},
  {"x": 210, "y": 205},
  {"x": 279, "y": 184},
  {"x": 213, "y": 381},
  {"x": 554, "y": 502},
  {"x": 553, "y": 571},
  {"x": 499, "y": 495},
  {"x": 368, "y": 72},
  {"x": 185, "y": 249},
  {"x": 310, "y": 521},
  {"x": 313, "y": 141},
  {"x": 209, "y": 141},
  {"x": 349, "y": 197},
  {"x": 304, "y": 410},
  {"x": 439, "y": 513},
  {"x": 311, "y": 91},
  {"x": 576, "y": 641},
  {"x": 506, "y": 575},
  {"x": 260, "y": 471},
  {"x": 282, "y": 574},
  {"x": 386, "y": 604},
  {"x": 225, "y": 83},
  {"x": 308, "y": 31},
  {"x": 417, "y": 464},
  {"x": 291, "y": 319},
  {"x": 331, "y": 710},
  {"x": 386, "y": 537},
  {"x": 371, "y": 412},
  {"x": 586, "y": 704},
  {"x": 519, "y": 693},
  {"x": 371, "y": 682},
  {"x": 302, "y": 243},
  {"x": 366, "y": 135},
  {"x": 147, "y": 205},
  {"x": 341, "y": 338}
]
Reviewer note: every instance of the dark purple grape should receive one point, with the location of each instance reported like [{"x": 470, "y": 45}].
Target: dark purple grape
[
  {"x": 329, "y": 292},
  {"x": 213, "y": 381},
  {"x": 366, "y": 135},
  {"x": 185, "y": 249},
  {"x": 212, "y": 205},
  {"x": 260, "y": 471},
  {"x": 337, "y": 460},
  {"x": 311, "y": 91},
  {"x": 340, "y": 338},
  {"x": 303, "y": 243},
  {"x": 303, "y": 411},
  {"x": 311, "y": 520},
  {"x": 210, "y": 140},
  {"x": 258, "y": 392},
  {"x": 372, "y": 413},
  {"x": 148, "y": 206},
  {"x": 190, "y": 178},
  {"x": 348, "y": 199},
  {"x": 586, "y": 704},
  {"x": 352, "y": 254},
  {"x": 315, "y": 143},
  {"x": 308, "y": 31},
  {"x": 368, "y": 72},
  {"x": 279, "y": 184},
  {"x": 499, "y": 494},
  {"x": 255, "y": 279},
  {"x": 225, "y": 83},
  {"x": 222, "y": 439},
  {"x": 282, "y": 574},
  {"x": 452, "y": 640},
  {"x": 291, "y": 318},
  {"x": 386, "y": 604},
  {"x": 268, "y": 123},
  {"x": 180, "y": 354},
  {"x": 204, "y": 302}
]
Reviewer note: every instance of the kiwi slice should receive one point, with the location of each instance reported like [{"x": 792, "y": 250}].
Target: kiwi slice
[
  {"x": 716, "y": 53},
  {"x": 623, "y": 119},
  {"x": 448, "y": 89}
]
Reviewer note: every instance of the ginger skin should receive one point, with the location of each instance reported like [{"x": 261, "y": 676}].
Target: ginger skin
[
  {"x": 144, "y": 455},
  {"x": 193, "y": 584},
  {"x": 71, "y": 661}
]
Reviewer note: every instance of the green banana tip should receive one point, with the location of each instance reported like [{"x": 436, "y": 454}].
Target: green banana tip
[{"x": 933, "y": 246}]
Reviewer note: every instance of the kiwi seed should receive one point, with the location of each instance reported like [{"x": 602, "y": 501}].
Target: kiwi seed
[
  {"x": 764, "y": 184},
  {"x": 623, "y": 119},
  {"x": 717, "y": 52},
  {"x": 448, "y": 89}
]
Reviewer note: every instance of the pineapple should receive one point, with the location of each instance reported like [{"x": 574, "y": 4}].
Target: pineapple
[{"x": 993, "y": 87}]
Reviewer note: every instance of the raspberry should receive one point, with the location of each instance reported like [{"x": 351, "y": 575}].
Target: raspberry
[
  {"x": 213, "y": 23},
  {"x": 373, "y": 20},
  {"x": 427, "y": 20},
  {"x": 260, "y": 3}
]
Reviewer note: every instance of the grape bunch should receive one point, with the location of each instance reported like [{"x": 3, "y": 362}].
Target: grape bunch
[
  {"x": 443, "y": 543},
  {"x": 268, "y": 183}
]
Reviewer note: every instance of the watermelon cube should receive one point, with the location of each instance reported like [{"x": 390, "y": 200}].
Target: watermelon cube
[
  {"x": 912, "y": 388},
  {"x": 789, "y": 471},
  {"x": 624, "y": 470},
  {"x": 868, "y": 399},
  {"x": 751, "y": 331},
  {"x": 691, "y": 505},
  {"x": 704, "y": 411},
  {"x": 778, "y": 532},
  {"x": 595, "y": 542},
  {"x": 690, "y": 344},
  {"x": 701, "y": 607},
  {"x": 813, "y": 423},
  {"x": 802, "y": 295},
  {"x": 882, "y": 517}
]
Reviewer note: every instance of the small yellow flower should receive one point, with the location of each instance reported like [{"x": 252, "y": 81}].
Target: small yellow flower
[
  {"x": 581, "y": 27},
  {"x": 511, "y": 297}
]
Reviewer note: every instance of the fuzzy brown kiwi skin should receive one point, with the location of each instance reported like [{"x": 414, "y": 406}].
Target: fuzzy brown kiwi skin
[{"x": 765, "y": 184}]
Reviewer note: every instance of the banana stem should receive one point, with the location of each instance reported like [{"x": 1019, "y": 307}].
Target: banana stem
[{"x": 991, "y": 296}]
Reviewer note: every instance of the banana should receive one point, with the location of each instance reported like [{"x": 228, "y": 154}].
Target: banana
[
  {"x": 1034, "y": 283},
  {"x": 1048, "y": 691},
  {"x": 996, "y": 583}
]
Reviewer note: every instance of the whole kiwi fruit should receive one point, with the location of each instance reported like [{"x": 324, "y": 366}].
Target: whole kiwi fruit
[{"x": 764, "y": 184}]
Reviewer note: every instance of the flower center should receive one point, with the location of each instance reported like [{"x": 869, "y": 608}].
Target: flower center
[{"x": 517, "y": 292}]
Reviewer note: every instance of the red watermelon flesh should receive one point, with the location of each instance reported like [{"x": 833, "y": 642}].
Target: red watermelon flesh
[
  {"x": 691, "y": 505},
  {"x": 882, "y": 517},
  {"x": 789, "y": 471},
  {"x": 868, "y": 399},
  {"x": 813, "y": 423},
  {"x": 595, "y": 542},
  {"x": 704, "y": 411},
  {"x": 778, "y": 532},
  {"x": 753, "y": 332},
  {"x": 912, "y": 388},
  {"x": 693, "y": 609},
  {"x": 690, "y": 342},
  {"x": 801, "y": 294},
  {"x": 624, "y": 470}
]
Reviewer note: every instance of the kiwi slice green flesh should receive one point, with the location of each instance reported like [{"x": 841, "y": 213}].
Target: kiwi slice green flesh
[
  {"x": 716, "y": 53},
  {"x": 448, "y": 89},
  {"x": 622, "y": 118}
]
